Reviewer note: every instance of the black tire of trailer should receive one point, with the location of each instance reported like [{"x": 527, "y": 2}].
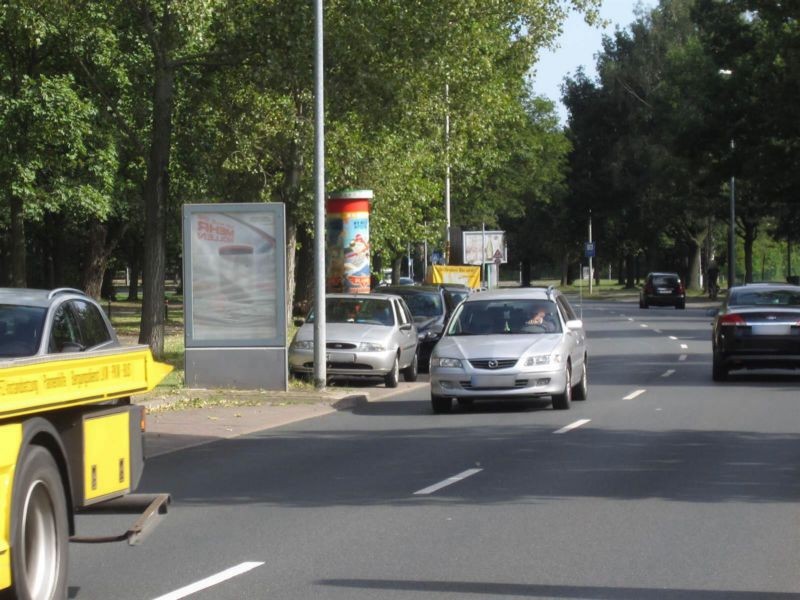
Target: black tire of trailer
[{"x": 39, "y": 529}]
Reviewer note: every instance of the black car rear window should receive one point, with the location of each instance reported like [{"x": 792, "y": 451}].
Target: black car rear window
[
  {"x": 20, "y": 330},
  {"x": 665, "y": 280},
  {"x": 422, "y": 304},
  {"x": 765, "y": 298}
]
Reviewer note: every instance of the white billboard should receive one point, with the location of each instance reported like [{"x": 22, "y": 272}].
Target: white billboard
[{"x": 493, "y": 243}]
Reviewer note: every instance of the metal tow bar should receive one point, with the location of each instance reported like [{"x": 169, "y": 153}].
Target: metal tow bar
[{"x": 152, "y": 507}]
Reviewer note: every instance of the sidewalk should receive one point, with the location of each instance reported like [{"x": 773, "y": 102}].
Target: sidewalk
[{"x": 191, "y": 417}]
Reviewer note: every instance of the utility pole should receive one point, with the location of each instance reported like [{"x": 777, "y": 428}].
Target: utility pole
[
  {"x": 591, "y": 277},
  {"x": 732, "y": 231},
  {"x": 320, "y": 339},
  {"x": 447, "y": 171}
]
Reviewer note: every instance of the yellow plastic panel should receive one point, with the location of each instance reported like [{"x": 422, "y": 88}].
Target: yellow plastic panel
[
  {"x": 10, "y": 441},
  {"x": 106, "y": 455},
  {"x": 34, "y": 385}
]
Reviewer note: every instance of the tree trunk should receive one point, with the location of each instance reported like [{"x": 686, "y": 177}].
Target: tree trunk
[
  {"x": 750, "y": 234},
  {"x": 156, "y": 193},
  {"x": 133, "y": 274},
  {"x": 630, "y": 272},
  {"x": 18, "y": 268},
  {"x": 621, "y": 270},
  {"x": 96, "y": 260},
  {"x": 526, "y": 273},
  {"x": 304, "y": 273},
  {"x": 695, "y": 252},
  {"x": 396, "y": 265}
]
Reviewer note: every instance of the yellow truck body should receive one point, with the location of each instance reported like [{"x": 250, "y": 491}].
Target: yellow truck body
[{"x": 78, "y": 400}]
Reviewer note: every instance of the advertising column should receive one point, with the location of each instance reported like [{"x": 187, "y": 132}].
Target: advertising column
[{"x": 347, "y": 255}]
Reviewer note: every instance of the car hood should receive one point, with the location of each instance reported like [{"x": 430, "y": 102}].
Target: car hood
[
  {"x": 497, "y": 346},
  {"x": 352, "y": 333}
]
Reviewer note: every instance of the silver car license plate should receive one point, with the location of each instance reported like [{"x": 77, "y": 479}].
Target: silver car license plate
[
  {"x": 493, "y": 381},
  {"x": 340, "y": 357}
]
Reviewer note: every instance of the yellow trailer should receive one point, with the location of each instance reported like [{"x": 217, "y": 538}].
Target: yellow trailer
[{"x": 70, "y": 442}]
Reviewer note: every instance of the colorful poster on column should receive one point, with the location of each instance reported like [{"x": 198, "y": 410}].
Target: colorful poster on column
[{"x": 347, "y": 237}]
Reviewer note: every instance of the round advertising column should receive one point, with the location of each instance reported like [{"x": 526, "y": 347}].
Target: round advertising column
[{"x": 347, "y": 241}]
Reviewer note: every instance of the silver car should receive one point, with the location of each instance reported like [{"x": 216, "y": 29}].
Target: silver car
[
  {"x": 367, "y": 336},
  {"x": 522, "y": 342}
]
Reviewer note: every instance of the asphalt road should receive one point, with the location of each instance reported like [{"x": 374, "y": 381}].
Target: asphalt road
[{"x": 662, "y": 485}]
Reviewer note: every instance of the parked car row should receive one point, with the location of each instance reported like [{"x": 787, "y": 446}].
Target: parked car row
[{"x": 524, "y": 342}]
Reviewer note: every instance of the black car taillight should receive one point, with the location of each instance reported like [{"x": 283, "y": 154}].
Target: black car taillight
[{"x": 732, "y": 320}]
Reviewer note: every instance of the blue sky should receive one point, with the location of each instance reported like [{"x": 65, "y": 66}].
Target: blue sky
[{"x": 577, "y": 46}]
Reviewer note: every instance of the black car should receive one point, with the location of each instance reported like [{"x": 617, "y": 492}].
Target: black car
[
  {"x": 430, "y": 306},
  {"x": 757, "y": 327},
  {"x": 663, "y": 289}
]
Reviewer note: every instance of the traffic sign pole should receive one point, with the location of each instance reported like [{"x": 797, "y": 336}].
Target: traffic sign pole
[{"x": 590, "y": 256}]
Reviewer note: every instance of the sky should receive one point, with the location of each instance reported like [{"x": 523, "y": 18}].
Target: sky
[{"x": 577, "y": 46}]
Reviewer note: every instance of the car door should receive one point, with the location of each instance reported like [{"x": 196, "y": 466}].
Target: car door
[
  {"x": 577, "y": 337},
  {"x": 407, "y": 333}
]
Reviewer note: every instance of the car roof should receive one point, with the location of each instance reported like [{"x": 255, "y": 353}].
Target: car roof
[
  {"x": 765, "y": 285},
  {"x": 533, "y": 293},
  {"x": 36, "y": 297},
  {"x": 411, "y": 288},
  {"x": 663, "y": 273}
]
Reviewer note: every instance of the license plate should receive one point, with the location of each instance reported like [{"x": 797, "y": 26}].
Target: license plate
[
  {"x": 493, "y": 381},
  {"x": 664, "y": 291},
  {"x": 340, "y": 357}
]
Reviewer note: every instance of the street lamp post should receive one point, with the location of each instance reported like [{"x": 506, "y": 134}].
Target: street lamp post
[
  {"x": 732, "y": 226},
  {"x": 732, "y": 232}
]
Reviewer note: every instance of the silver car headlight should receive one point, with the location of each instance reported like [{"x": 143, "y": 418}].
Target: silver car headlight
[
  {"x": 542, "y": 359},
  {"x": 447, "y": 363},
  {"x": 370, "y": 347},
  {"x": 304, "y": 345}
]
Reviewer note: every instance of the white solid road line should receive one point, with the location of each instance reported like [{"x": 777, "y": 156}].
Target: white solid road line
[
  {"x": 448, "y": 481},
  {"x": 211, "y": 581},
  {"x": 668, "y": 372},
  {"x": 572, "y": 426},
  {"x": 633, "y": 395},
  {"x": 682, "y": 357}
]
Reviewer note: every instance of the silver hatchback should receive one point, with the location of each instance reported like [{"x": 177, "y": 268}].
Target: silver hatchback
[
  {"x": 366, "y": 336},
  {"x": 522, "y": 342}
]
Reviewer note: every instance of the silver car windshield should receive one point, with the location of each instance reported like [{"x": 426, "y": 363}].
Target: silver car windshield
[
  {"x": 20, "y": 330},
  {"x": 368, "y": 311},
  {"x": 755, "y": 297},
  {"x": 490, "y": 317}
]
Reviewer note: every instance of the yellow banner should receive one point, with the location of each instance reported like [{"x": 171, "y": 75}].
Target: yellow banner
[{"x": 463, "y": 274}]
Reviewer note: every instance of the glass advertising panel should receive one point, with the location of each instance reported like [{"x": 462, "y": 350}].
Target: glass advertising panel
[{"x": 234, "y": 273}]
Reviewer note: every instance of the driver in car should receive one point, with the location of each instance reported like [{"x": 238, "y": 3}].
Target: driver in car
[{"x": 539, "y": 318}]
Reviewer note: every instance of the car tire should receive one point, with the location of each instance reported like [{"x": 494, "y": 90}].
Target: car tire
[
  {"x": 680, "y": 305},
  {"x": 643, "y": 304},
  {"x": 581, "y": 391},
  {"x": 441, "y": 404},
  {"x": 563, "y": 400},
  {"x": 39, "y": 529},
  {"x": 410, "y": 372},
  {"x": 719, "y": 371},
  {"x": 392, "y": 378}
]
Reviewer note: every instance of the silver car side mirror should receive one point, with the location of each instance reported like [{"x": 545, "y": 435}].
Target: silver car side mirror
[{"x": 575, "y": 324}]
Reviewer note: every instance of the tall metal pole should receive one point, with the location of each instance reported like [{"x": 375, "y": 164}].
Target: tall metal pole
[
  {"x": 732, "y": 232},
  {"x": 447, "y": 171},
  {"x": 483, "y": 255},
  {"x": 320, "y": 340},
  {"x": 591, "y": 278}
]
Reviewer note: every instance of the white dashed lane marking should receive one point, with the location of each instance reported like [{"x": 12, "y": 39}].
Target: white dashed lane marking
[
  {"x": 672, "y": 337},
  {"x": 668, "y": 372},
  {"x": 684, "y": 346},
  {"x": 682, "y": 357},
  {"x": 446, "y": 482},
  {"x": 635, "y": 394},
  {"x": 213, "y": 580},
  {"x": 572, "y": 426}
]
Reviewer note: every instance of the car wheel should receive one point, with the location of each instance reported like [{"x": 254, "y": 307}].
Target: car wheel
[
  {"x": 581, "y": 391},
  {"x": 681, "y": 305},
  {"x": 440, "y": 404},
  {"x": 719, "y": 372},
  {"x": 643, "y": 304},
  {"x": 393, "y": 377},
  {"x": 564, "y": 400},
  {"x": 410, "y": 372},
  {"x": 39, "y": 529}
]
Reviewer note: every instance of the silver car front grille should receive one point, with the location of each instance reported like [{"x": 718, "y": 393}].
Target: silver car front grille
[{"x": 492, "y": 364}]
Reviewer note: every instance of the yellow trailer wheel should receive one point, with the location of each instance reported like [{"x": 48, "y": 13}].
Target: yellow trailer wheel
[{"x": 39, "y": 529}]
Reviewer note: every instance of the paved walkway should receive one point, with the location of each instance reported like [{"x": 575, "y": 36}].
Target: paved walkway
[{"x": 192, "y": 417}]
